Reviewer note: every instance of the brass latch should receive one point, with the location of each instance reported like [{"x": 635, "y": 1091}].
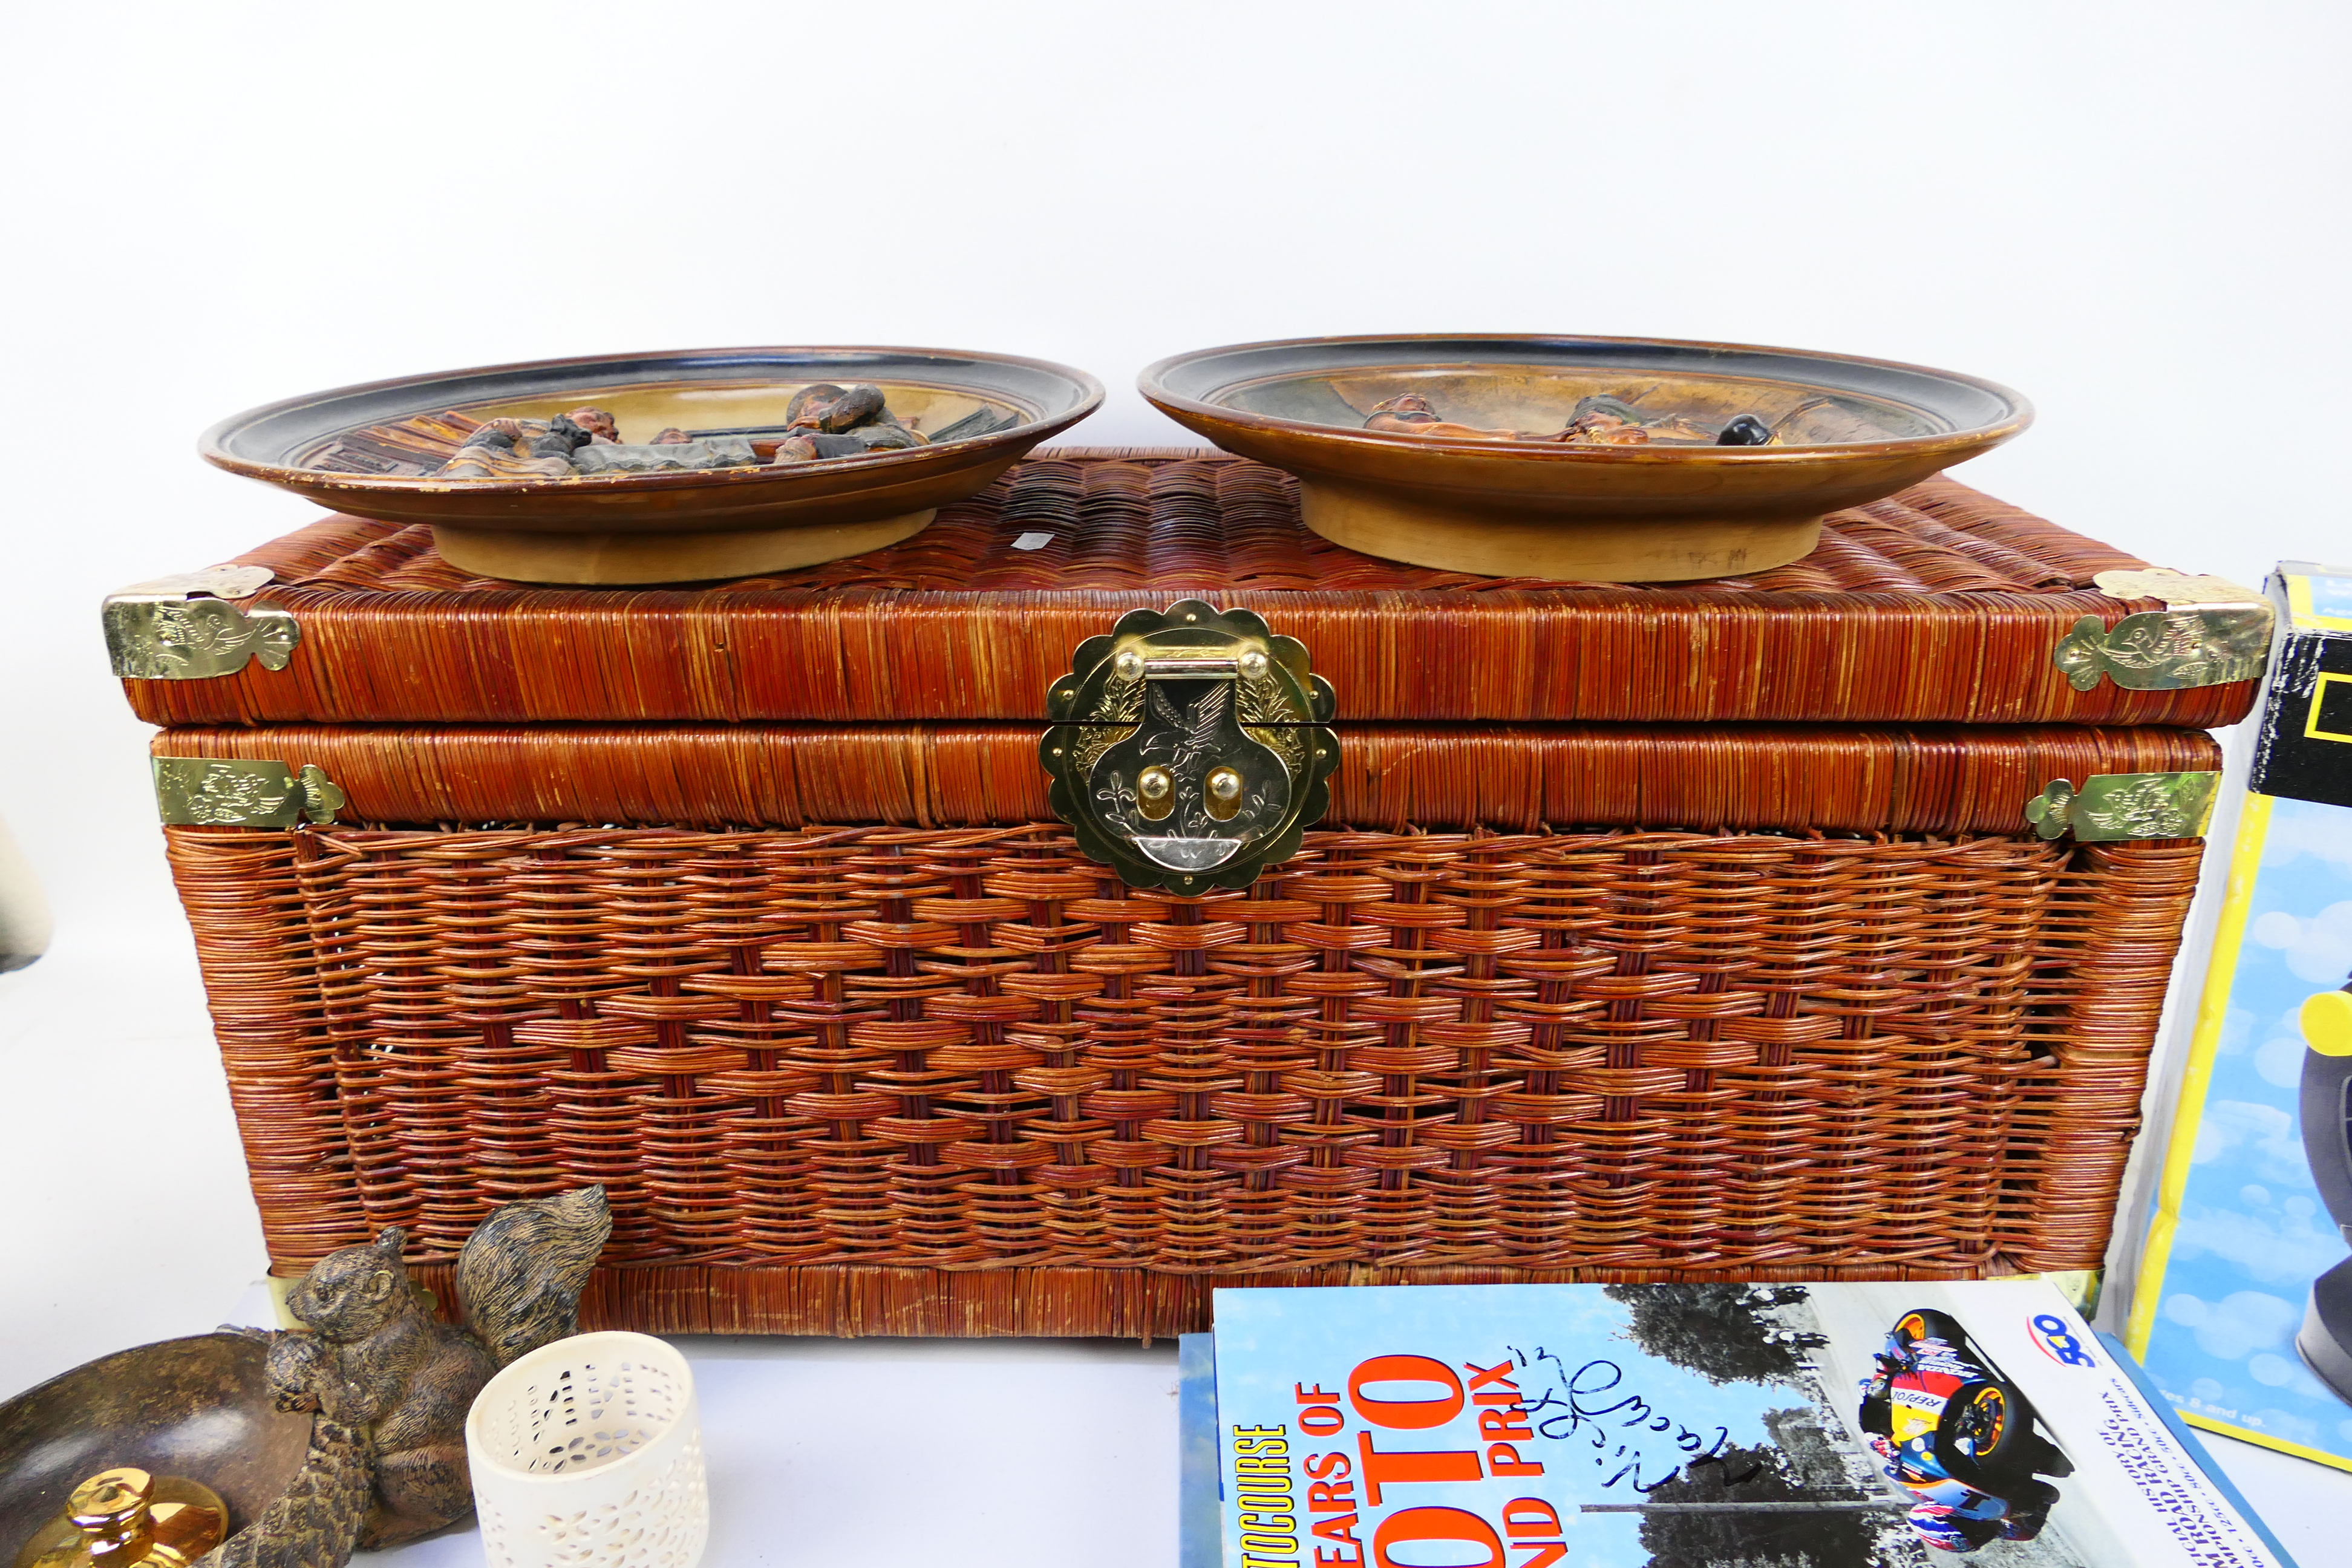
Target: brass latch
[
  {"x": 191, "y": 627},
  {"x": 1189, "y": 750},
  {"x": 2209, "y": 633},
  {"x": 2110, "y": 806},
  {"x": 207, "y": 792}
]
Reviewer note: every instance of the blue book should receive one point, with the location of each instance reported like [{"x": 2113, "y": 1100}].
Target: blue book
[
  {"x": 1198, "y": 1501},
  {"x": 2242, "y": 1313},
  {"x": 1527, "y": 1425}
]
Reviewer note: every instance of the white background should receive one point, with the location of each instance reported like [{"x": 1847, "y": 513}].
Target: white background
[{"x": 2134, "y": 214}]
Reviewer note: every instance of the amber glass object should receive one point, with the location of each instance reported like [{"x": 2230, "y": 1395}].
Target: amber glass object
[{"x": 125, "y": 1517}]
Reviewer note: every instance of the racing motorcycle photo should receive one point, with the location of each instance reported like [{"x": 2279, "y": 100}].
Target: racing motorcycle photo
[{"x": 1957, "y": 1436}]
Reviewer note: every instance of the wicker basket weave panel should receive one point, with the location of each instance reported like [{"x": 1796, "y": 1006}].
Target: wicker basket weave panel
[
  {"x": 1974, "y": 779},
  {"x": 1939, "y": 605},
  {"x": 857, "y": 1299},
  {"x": 897, "y": 1051}
]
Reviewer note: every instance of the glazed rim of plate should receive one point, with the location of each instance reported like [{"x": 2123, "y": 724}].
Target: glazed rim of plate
[
  {"x": 292, "y": 427},
  {"x": 1186, "y": 380}
]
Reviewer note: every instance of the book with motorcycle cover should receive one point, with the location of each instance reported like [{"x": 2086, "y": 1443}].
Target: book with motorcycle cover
[
  {"x": 1613, "y": 1426},
  {"x": 2243, "y": 1311}
]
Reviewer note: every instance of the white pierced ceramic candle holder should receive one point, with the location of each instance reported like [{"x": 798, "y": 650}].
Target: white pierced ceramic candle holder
[{"x": 587, "y": 1452}]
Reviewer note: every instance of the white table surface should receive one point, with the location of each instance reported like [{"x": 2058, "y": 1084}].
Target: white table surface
[
  {"x": 891, "y": 1452},
  {"x": 881, "y": 1453}
]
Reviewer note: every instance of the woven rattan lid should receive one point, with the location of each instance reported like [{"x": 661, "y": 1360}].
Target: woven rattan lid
[{"x": 1938, "y": 604}]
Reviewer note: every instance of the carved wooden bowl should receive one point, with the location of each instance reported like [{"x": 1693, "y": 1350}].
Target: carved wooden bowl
[
  {"x": 197, "y": 1408},
  {"x": 371, "y": 452},
  {"x": 1847, "y": 432}
]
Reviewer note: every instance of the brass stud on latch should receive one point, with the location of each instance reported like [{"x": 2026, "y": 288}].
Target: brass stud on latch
[
  {"x": 1225, "y": 792},
  {"x": 1155, "y": 792}
]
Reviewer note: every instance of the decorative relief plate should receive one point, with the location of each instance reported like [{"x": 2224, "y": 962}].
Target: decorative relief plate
[
  {"x": 1718, "y": 459},
  {"x": 663, "y": 467}
]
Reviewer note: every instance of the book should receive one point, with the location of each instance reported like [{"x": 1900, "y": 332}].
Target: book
[
  {"x": 1776, "y": 1425},
  {"x": 2243, "y": 1305}
]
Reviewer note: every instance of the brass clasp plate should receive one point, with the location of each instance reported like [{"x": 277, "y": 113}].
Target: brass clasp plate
[
  {"x": 1189, "y": 749},
  {"x": 207, "y": 792},
  {"x": 2110, "y": 806},
  {"x": 191, "y": 626},
  {"x": 2209, "y": 633}
]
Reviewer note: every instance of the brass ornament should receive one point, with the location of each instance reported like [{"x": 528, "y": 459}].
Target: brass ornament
[
  {"x": 2211, "y": 632},
  {"x": 207, "y": 792},
  {"x": 193, "y": 627},
  {"x": 2175, "y": 588},
  {"x": 125, "y": 1517},
  {"x": 2114, "y": 806},
  {"x": 1189, "y": 749}
]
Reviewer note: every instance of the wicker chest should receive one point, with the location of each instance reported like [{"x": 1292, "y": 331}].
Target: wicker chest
[{"x": 1809, "y": 925}]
